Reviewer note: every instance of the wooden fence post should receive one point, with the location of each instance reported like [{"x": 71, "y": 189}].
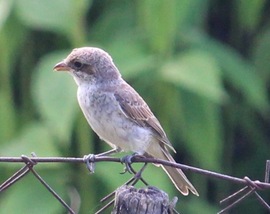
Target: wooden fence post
[{"x": 150, "y": 200}]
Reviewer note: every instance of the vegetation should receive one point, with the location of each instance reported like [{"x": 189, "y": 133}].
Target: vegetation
[{"x": 202, "y": 66}]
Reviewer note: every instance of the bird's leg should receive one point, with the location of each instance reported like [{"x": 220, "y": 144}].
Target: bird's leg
[
  {"x": 127, "y": 160},
  {"x": 90, "y": 159},
  {"x": 108, "y": 153}
]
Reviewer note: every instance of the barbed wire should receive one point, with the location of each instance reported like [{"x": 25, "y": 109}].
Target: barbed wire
[{"x": 250, "y": 187}]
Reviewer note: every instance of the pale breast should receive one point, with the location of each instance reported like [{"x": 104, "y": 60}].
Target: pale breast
[{"x": 106, "y": 118}]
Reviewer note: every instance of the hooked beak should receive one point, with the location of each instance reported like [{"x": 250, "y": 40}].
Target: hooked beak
[{"x": 61, "y": 66}]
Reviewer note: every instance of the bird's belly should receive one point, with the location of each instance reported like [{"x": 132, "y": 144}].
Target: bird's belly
[
  {"x": 125, "y": 135},
  {"x": 109, "y": 122}
]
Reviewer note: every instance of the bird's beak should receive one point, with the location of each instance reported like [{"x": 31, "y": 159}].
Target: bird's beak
[{"x": 61, "y": 66}]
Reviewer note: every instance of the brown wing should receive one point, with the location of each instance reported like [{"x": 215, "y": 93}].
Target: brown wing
[{"x": 135, "y": 108}]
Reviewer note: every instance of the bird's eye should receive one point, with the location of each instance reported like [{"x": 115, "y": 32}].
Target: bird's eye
[{"x": 78, "y": 64}]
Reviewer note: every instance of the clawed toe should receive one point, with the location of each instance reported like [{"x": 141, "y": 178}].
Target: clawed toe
[{"x": 127, "y": 160}]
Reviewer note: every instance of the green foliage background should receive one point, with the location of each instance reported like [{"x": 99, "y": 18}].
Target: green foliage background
[{"x": 203, "y": 67}]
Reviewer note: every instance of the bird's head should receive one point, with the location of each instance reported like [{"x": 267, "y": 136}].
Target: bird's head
[{"x": 88, "y": 65}]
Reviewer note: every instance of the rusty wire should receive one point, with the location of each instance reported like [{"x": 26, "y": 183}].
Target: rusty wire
[{"x": 250, "y": 187}]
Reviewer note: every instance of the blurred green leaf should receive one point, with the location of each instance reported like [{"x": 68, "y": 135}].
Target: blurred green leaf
[
  {"x": 5, "y": 9},
  {"x": 117, "y": 21},
  {"x": 235, "y": 69},
  {"x": 156, "y": 15},
  {"x": 129, "y": 56},
  {"x": 202, "y": 130},
  {"x": 242, "y": 75},
  {"x": 36, "y": 138},
  {"x": 261, "y": 55},
  {"x": 61, "y": 16},
  {"x": 12, "y": 38},
  {"x": 54, "y": 94},
  {"x": 161, "y": 20},
  {"x": 198, "y": 72},
  {"x": 8, "y": 118},
  {"x": 249, "y": 13}
]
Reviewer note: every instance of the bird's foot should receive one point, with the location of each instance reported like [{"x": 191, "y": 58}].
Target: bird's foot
[
  {"x": 127, "y": 160},
  {"x": 90, "y": 162}
]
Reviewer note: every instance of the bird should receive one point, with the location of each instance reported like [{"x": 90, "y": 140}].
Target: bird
[{"x": 117, "y": 113}]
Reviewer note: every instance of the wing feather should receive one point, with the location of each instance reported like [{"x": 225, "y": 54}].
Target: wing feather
[{"x": 136, "y": 109}]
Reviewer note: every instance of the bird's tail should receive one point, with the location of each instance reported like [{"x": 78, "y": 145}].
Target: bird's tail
[
  {"x": 176, "y": 175},
  {"x": 178, "y": 178}
]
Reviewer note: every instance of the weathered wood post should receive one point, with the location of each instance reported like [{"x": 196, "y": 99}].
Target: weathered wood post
[{"x": 150, "y": 200}]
